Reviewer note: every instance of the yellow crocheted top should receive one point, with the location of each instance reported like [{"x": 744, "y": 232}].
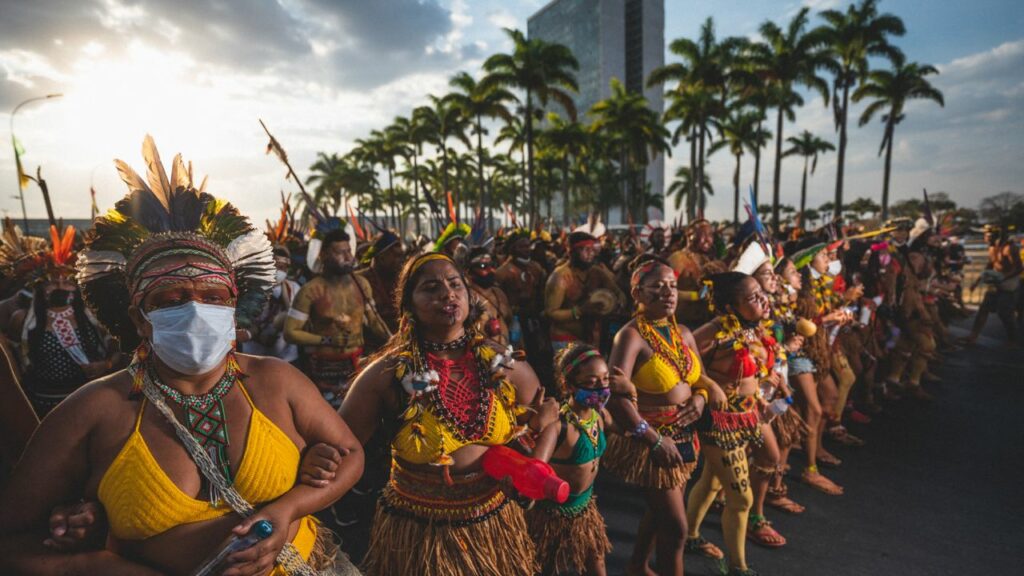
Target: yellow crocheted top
[
  {"x": 141, "y": 501},
  {"x": 656, "y": 376},
  {"x": 428, "y": 433}
]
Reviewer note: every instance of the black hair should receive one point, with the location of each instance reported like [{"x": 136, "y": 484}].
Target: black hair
[
  {"x": 726, "y": 288},
  {"x": 336, "y": 235}
]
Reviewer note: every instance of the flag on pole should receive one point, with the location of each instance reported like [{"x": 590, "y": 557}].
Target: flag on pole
[
  {"x": 95, "y": 209},
  {"x": 23, "y": 179}
]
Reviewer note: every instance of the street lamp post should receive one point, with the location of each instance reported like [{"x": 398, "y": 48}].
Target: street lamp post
[{"x": 17, "y": 175}]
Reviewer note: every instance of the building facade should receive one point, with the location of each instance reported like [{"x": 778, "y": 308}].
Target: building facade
[{"x": 622, "y": 39}]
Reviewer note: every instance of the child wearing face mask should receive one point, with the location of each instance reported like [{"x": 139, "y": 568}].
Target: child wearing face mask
[{"x": 570, "y": 537}]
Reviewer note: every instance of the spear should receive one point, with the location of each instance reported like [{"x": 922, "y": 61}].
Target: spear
[{"x": 274, "y": 146}]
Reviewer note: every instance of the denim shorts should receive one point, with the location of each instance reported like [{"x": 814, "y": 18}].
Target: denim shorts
[{"x": 801, "y": 365}]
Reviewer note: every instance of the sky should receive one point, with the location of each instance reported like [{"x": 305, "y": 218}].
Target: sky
[{"x": 321, "y": 73}]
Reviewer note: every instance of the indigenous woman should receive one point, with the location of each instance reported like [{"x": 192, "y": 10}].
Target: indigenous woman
[
  {"x": 445, "y": 397},
  {"x": 767, "y": 458},
  {"x": 570, "y": 537},
  {"x": 62, "y": 347},
  {"x": 654, "y": 365},
  {"x": 192, "y": 443},
  {"x": 811, "y": 369},
  {"x": 739, "y": 351},
  {"x": 789, "y": 428}
]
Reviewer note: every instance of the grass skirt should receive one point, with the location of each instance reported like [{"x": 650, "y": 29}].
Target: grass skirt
[
  {"x": 631, "y": 461},
  {"x": 425, "y": 527},
  {"x": 789, "y": 428},
  {"x": 565, "y": 543}
]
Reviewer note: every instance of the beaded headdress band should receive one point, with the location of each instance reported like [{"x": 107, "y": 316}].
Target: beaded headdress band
[{"x": 163, "y": 217}]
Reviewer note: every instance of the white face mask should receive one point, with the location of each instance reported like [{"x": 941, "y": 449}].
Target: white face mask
[
  {"x": 790, "y": 289},
  {"x": 280, "y": 276},
  {"x": 192, "y": 338},
  {"x": 834, "y": 268}
]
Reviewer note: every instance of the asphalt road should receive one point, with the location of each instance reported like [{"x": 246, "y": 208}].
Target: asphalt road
[{"x": 938, "y": 489}]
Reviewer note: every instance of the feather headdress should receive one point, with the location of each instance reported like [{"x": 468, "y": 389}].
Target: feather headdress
[
  {"x": 31, "y": 259},
  {"x": 452, "y": 231},
  {"x": 163, "y": 216}
]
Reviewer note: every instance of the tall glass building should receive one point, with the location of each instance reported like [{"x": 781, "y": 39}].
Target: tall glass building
[{"x": 622, "y": 39}]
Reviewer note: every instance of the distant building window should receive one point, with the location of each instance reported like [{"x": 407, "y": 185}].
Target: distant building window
[{"x": 635, "y": 46}]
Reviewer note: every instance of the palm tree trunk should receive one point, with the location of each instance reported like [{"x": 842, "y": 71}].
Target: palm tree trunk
[
  {"x": 757, "y": 164},
  {"x": 842, "y": 151},
  {"x": 691, "y": 201},
  {"x": 485, "y": 202},
  {"x": 391, "y": 194},
  {"x": 803, "y": 196},
  {"x": 889, "y": 129},
  {"x": 736, "y": 193},
  {"x": 700, "y": 168},
  {"x": 416, "y": 189},
  {"x": 529, "y": 155},
  {"x": 565, "y": 192},
  {"x": 778, "y": 172}
]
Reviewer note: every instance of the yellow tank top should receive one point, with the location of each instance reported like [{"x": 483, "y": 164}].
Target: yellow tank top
[
  {"x": 656, "y": 376},
  {"x": 141, "y": 501},
  {"x": 424, "y": 436}
]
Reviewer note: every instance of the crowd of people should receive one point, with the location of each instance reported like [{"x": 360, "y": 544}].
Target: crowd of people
[{"x": 196, "y": 375}]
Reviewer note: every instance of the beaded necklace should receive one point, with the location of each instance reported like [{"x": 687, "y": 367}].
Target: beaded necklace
[
  {"x": 205, "y": 415},
  {"x": 589, "y": 425},
  {"x": 457, "y": 344},
  {"x": 742, "y": 338},
  {"x": 672, "y": 349},
  {"x": 822, "y": 293}
]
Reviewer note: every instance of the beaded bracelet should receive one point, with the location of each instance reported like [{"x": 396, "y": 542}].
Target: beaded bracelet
[
  {"x": 641, "y": 428},
  {"x": 657, "y": 444}
]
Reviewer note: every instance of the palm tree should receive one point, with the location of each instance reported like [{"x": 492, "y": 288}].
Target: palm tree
[
  {"x": 809, "y": 146},
  {"x": 682, "y": 188},
  {"x": 852, "y": 37},
  {"x": 544, "y": 71},
  {"x": 889, "y": 91},
  {"x": 478, "y": 101},
  {"x": 514, "y": 134},
  {"x": 413, "y": 134},
  {"x": 639, "y": 135},
  {"x": 442, "y": 121},
  {"x": 702, "y": 79},
  {"x": 324, "y": 177},
  {"x": 785, "y": 59},
  {"x": 740, "y": 132},
  {"x": 567, "y": 140}
]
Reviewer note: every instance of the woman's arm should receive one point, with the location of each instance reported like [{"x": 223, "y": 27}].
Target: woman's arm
[
  {"x": 365, "y": 404},
  {"x": 316, "y": 422},
  {"x": 52, "y": 471},
  {"x": 547, "y": 443},
  {"x": 530, "y": 393}
]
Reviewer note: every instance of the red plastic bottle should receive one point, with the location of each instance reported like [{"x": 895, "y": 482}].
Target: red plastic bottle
[{"x": 531, "y": 477}]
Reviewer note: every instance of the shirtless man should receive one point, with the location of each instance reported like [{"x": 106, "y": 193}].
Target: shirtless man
[
  {"x": 385, "y": 258},
  {"x": 497, "y": 313},
  {"x": 522, "y": 280},
  {"x": 692, "y": 264},
  {"x": 327, "y": 319},
  {"x": 566, "y": 295},
  {"x": 1004, "y": 262}
]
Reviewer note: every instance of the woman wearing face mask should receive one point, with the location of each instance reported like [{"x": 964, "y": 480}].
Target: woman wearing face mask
[
  {"x": 62, "y": 347},
  {"x": 654, "y": 364},
  {"x": 738, "y": 349},
  {"x": 811, "y": 372},
  {"x": 445, "y": 397},
  {"x": 267, "y": 334},
  {"x": 192, "y": 443},
  {"x": 570, "y": 537}
]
